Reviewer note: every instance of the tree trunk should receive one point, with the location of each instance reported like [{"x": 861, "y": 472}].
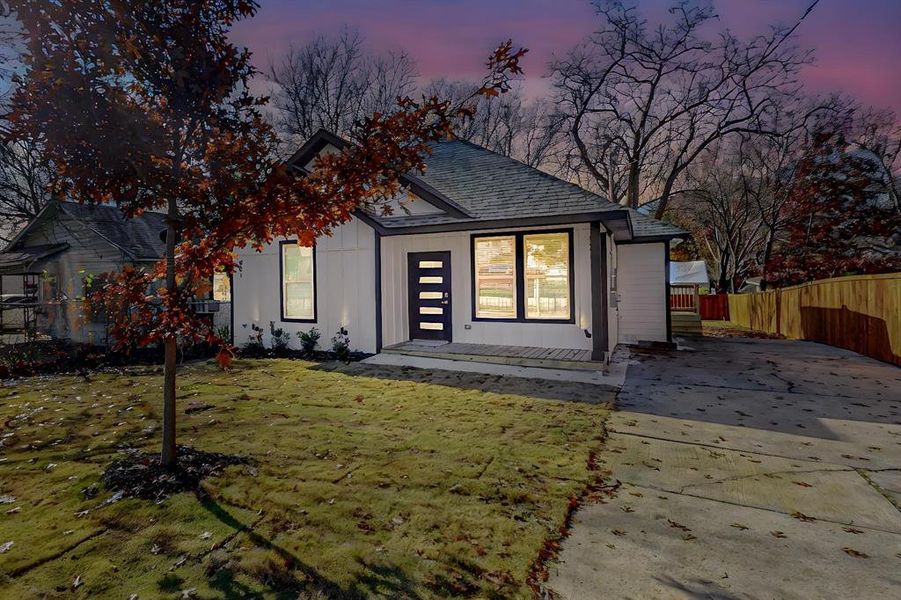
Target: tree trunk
[
  {"x": 767, "y": 253},
  {"x": 168, "y": 454},
  {"x": 633, "y": 184}
]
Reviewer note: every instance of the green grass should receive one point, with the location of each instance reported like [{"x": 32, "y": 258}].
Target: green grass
[{"x": 361, "y": 486}]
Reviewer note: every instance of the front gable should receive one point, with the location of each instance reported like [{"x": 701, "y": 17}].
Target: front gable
[{"x": 418, "y": 199}]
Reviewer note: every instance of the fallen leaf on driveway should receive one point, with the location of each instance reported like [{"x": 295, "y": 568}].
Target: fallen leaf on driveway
[
  {"x": 802, "y": 483},
  {"x": 777, "y": 534},
  {"x": 852, "y": 530},
  {"x": 854, "y": 553},
  {"x": 618, "y": 532},
  {"x": 802, "y": 517},
  {"x": 677, "y": 525},
  {"x": 739, "y": 526}
]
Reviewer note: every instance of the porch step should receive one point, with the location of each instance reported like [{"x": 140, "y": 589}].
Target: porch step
[
  {"x": 491, "y": 354},
  {"x": 686, "y": 323}
]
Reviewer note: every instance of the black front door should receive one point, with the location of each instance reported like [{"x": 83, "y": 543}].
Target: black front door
[{"x": 429, "y": 276}]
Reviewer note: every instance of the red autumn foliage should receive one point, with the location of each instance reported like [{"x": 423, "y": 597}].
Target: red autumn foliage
[
  {"x": 146, "y": 104},
  {"x": 836, "y": 224}
]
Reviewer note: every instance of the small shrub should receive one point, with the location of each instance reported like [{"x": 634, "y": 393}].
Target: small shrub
[
  {"x": 309, "y": 340},
  {"x": 280, "y": 339},
  {"x": 224, "y": 333},
  {"x": 341, "y": 345},
  {"x": 254, "y": 346}
]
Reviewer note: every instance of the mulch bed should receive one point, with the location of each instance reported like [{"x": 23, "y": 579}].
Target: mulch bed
[{"x": 140, "y": 475}]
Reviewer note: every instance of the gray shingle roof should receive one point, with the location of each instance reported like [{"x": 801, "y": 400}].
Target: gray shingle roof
[
  {"x": 490, "y": 187},
  {"x": 139, "y": 236},
  {"x": 24, "y": 257}
]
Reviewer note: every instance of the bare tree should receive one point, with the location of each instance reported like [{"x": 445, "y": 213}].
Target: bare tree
[
  {"x": 642, "y": 103},
  {"x": 332, "y": 82},
  {"x": 24, "y": 185},
  {"x": 721, "y": 211},
  {"x": 507, "y": 124}
]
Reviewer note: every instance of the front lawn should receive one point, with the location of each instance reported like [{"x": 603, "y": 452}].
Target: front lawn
[{"x": 359, "y": 485}]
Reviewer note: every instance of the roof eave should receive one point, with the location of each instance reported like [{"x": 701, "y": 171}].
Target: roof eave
[{"x": 616, "y": 221}]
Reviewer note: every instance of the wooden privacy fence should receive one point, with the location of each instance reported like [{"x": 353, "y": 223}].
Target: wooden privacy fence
[
  {"x": 861, "y": 313},
  {"x": 714, "y": 307}
]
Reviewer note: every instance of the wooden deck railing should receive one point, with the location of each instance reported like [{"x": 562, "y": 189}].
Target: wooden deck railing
[{"x": 683, "y": 297}]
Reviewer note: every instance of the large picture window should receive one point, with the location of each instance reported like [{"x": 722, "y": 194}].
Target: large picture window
[
  {"x": 523, "y": 276},
  {"x": 495, "y": 277},
  {"x": 298, "y": 278},
  {"x": 547, "y": 262}
]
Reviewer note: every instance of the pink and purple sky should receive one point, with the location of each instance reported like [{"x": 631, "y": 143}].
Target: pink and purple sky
[{"x": 857, "y": 43}]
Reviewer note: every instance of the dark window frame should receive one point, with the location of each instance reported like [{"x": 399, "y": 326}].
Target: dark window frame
[
  {"x": 520, "y": 277},
  {"x": 281, "y": 285}
]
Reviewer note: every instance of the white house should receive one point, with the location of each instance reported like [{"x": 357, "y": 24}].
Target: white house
[{"x": 487, "y": 251}]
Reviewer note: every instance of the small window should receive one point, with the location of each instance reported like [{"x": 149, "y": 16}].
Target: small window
[
  {"x": 495, "y": 277},
  {"x": 546, "y": 261},
  {"x": 298, "y": 282},
  {"x": 222, "y": 290}
]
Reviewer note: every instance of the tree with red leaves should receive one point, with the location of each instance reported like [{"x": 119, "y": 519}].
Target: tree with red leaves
[
  {"x": 836, "y": 223},
  {"x": 145, "y": 104}
]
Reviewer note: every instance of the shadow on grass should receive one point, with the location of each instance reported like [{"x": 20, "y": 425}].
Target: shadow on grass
[
  {"x": 299, "y": 577},
  {"x": 497, "y": 384}
]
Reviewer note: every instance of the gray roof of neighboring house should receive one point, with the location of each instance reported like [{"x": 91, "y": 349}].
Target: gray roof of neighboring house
[
  {"x": 482, "y": 186},
  {"x": 138, "y": 236},
  {"x": 23, "y": 257}
]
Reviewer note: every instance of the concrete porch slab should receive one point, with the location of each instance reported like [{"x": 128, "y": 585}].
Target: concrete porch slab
[{"x": 612, "y": 377}]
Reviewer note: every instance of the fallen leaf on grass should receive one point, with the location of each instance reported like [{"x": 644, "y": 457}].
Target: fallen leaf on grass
[
  {"x": 854, "y": 553},
  {"x": 5, "y": 546},
  {"x": 77, "y": 583}
]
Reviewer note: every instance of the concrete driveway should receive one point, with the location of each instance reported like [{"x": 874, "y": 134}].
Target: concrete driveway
[{"x": 749, "y": 469}]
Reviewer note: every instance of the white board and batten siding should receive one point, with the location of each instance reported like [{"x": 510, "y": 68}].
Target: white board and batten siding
[
  {"x": 641, "y": 292},
  {"x": 395, "y": 320},
  {"x": 345, "y": 292},
  {"x": 345, "y": 289}
]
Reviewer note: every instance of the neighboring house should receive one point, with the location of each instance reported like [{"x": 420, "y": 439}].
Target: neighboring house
[
  {"x": 689, "y": 272},
  {"x": 55, "y": 258},
  {"x": 486, "y": 251},
  {"x": 751, "y": 285}
]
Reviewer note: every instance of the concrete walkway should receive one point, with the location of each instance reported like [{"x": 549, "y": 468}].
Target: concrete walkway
[{"x": 749, "y": 469}]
